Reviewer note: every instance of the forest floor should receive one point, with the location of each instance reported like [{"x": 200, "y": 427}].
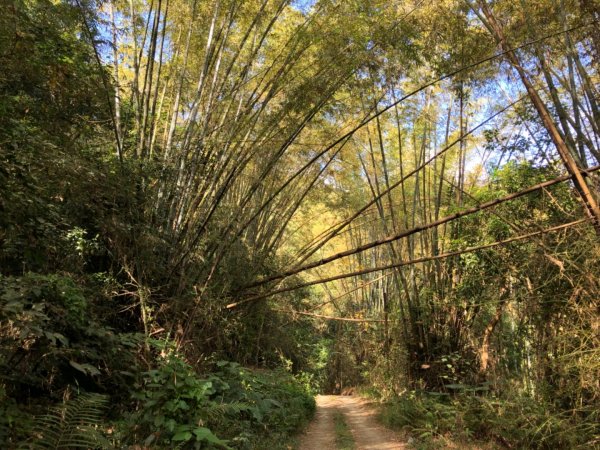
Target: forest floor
[{"x": 361, "y": 420}]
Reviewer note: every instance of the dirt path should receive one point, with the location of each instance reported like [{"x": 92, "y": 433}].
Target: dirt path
[{"x": 360, "y": 417}]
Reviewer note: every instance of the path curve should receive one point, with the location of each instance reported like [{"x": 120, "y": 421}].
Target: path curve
[{"x": 360, "y": 417}]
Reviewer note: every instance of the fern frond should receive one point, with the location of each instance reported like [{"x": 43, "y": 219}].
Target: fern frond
[
  {"x": 75, "y": 424},
  {"x": 219, "y": 410}
]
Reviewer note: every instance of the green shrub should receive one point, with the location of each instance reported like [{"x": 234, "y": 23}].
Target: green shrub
[
  {"x": 230, "y": 407},
  {"x": 50, "y": 339},
  {"x": 173, "y": 406},
  {"x": 14, "y": 422},
  {"x": 278, "y": 405}
]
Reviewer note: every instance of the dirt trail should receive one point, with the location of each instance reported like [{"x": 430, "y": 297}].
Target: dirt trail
[{"x": 360, "y": 417}]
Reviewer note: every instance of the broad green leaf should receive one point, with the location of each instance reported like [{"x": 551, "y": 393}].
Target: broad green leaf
[{"x": 182, "y": 436}]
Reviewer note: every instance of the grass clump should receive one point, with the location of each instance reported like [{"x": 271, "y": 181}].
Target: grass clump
[{"x": 343, "y": 436}]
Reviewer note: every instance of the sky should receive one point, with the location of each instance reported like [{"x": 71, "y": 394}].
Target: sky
[{"x": 303, "y": 5}]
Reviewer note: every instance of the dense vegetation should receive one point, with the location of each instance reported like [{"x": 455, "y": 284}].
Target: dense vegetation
[{"x": 211, "y": 210}]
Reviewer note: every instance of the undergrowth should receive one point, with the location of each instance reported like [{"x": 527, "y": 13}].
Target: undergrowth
[
  {"x": 231, "y": 407},
  {"x": 518, "y": 422},
  {"x": 59, "y": 361}
]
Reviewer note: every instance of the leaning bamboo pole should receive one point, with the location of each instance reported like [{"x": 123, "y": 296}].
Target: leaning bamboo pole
[
  {"x": 415, "y": 229},
  {"x": 405, "y": 263},
  {"x": 321, "y": 316}
]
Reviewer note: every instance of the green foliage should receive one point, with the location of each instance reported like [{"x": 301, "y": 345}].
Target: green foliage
[
  {"x": 77, "y": 423},
  {"x": 179, "y": 408},
  {"x": 14, "y": 421},
  {"x": 259, "y": 336},
  {"x": 173, "y": 406},
  {"x": 39, "y": 311},
  {"x": 50, "y": 115},
  {"x": 517, "y": 422},
  {"x": 50, "y": 339},
  {"x": 92, "y": 244}
]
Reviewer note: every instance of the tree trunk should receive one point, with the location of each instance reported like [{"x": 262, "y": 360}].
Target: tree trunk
[{"x": 484, "y": 348}]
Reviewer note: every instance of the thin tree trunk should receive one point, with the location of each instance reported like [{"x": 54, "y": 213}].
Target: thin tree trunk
[
  {"x": 117, "y": 100},
  {"x": 484, "y": 348}
]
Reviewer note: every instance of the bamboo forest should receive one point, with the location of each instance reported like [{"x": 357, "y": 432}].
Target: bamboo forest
[{"x": 300, "y": 224}]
